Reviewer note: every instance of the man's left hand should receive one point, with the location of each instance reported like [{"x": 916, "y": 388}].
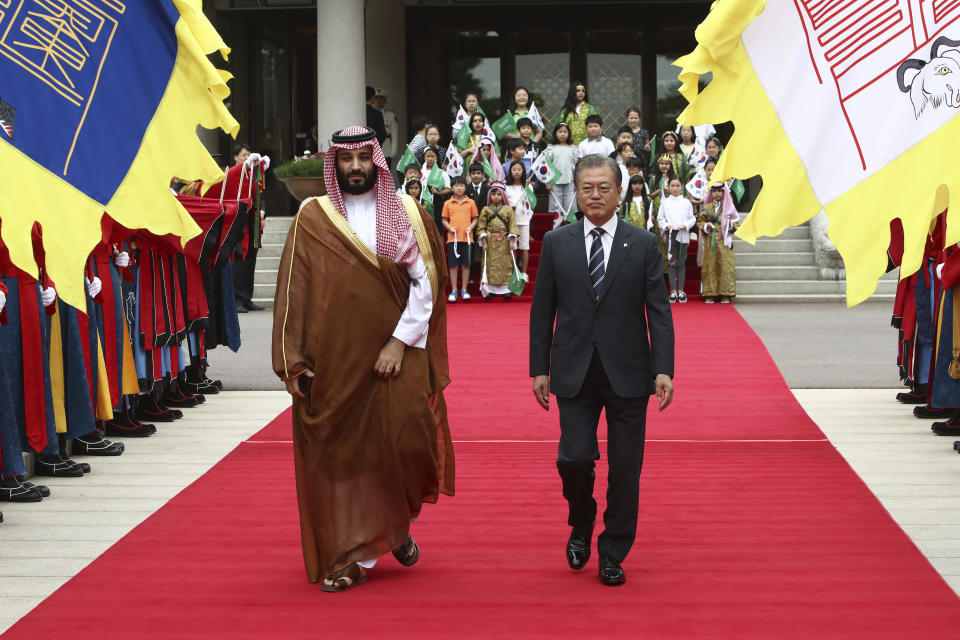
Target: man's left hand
[
  {"x": 390, "y": 358},
  {"x": 664, "y": 390}
]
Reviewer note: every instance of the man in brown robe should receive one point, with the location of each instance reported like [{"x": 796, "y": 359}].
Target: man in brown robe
[{"x": 359, "y": 338}]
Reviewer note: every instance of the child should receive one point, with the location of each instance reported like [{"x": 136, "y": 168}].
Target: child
[
  {"x": 624, "y": 153},
  {"x": 517, "y": 198},
  {"x": 432, "y": 135},
  {"x": 671, "y": 150},
  {"x": 476, "y": 124},
  {"x": 414, "y": 189},
  {"x": 431, "y": 157},
  {"x": 525, "y": 128},
  {"x": 713, "y": 148},
  {"x": 635, "y": 166},
  {"x": 675, "y": 219},
  {"x": 641, "y": 137},
  {"x": 624, "y": 134},
  {"x": 488, "y": 150},
  {"x": 477, "y": 188},
  {"x": 717, "y": 221},
  {"x": 635, "y": 203},
  {"x": 515, "y": 152},
  {"x": 460, "y": 219},
  {"x": 471, "y": 103},
  {"x": 521, "y": 108},
  {"x": 576, "y": 110},
  {"x": 657, "y": 189},
  {"x": 564, "y": 156},
  {"x": 410, "y": 173},
  {"x": 596, "y": 142},
  {"x": 498, "y": 231}
]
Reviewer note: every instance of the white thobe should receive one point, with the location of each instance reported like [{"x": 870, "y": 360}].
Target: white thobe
[{"x": 414, "y": 323}]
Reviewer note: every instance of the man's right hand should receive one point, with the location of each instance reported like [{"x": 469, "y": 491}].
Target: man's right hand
[
  {"x": 293, "y": 386},
  {"x": 541, "y": 390}
]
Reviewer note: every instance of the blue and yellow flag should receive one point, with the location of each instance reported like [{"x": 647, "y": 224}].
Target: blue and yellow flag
[
  {"x": 848, "y": 107},
  {"x": 99, "y": 102}
]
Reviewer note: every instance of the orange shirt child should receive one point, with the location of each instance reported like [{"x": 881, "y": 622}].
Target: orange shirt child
[{"x": 460, "y": 214}]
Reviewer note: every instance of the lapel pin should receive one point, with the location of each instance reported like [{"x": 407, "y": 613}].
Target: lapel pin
[{"x": 626, "y": 244}]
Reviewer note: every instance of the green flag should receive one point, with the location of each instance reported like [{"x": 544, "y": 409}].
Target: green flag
[
  {"x": 487, "y": 167},
  {"x": 653, "y": 153},
  {"x": 572, "y": 212},
  {"x": 737, "y": 189},
  {"x": 531, "y": 197},
  {"x": 505, "y": 125},
  {"x": 463, "y": 137},
  {"x": 435, "y": 179},
  {"x": 407, "y": 159},
  {"x": 426, "y": 201}
]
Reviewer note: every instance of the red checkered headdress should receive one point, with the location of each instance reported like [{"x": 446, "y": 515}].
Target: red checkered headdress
[{"x": 393, "y": 225}]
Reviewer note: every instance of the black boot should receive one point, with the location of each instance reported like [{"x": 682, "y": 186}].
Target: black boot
[
  {"x": 917, "y": 395},
  {"x": 175, "y": 398},
  {"x": 927, "y": 412},
  {"x": 119, "y": 428},
  {"x": 94, "y": 444},
  {"x": 44, "y": 491},
  {"x": 12, "y": 490},
  {"x": 56, "y": 466},
  {"x": 949, "y": 428},
  {"x": 149, "y": 410}
]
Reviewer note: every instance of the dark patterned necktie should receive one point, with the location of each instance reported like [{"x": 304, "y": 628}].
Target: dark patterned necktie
[{"x": 595, "y": 263}]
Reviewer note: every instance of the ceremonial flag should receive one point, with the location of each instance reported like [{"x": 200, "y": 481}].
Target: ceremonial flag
[
  {"x": 534, "y": 115},
  {"x": 487, "y": 167},
  {"x": 572, "y": 212},
  {"x": 737, "y": 189},
  {"x": 454, "y": 161},
  {"x": 545, "y": 170},
  {"x": 531, "y": 197},
  {"x": 406, "y": 160},
  {"x": 101, "y": 101},
  {"x": 463, "y": 138},
  {"x": 426, "y": 201},
  {"x": 697, "y": 187},
  {"x": 459, "y": 121},
  {"x": 895, "y": 75},
  {"x": 505, "y": 125},
  {"x": 488, "y": 130},
  {"x": 435, "y": 178}
]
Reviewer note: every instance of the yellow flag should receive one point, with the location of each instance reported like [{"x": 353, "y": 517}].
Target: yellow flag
[
  {"x": 845, "y": 107},
  {"x": 99, "y": 106}
]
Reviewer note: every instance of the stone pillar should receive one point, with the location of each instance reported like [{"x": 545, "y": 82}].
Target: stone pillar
[{"x": 341, "y": 64}]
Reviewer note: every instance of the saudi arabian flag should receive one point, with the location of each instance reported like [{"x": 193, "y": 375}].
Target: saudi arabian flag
[
  {"x": 531, "y": 197},
  {"x": 435, "y": 179},
  {"x": 737, "y": 189},
  {"x": 426, "y": 201},
  {"x": 572, "y": 212},
  {"x": 505, "y": 125},
  {"x": 463, "y": 137},
  {"x": 407, "y": 159},
  {"x": 487, "y": 167},
  {"x": 545, "y": 170}
]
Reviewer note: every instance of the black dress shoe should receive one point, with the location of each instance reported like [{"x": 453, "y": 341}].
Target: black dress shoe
[
  {"x": 149, "y": 410},
  {"x": 41, "y": 489},
  {"x": 611, "y": 573},
  {"x": 83, "y": 465},
  {"x": 252, "y": 306},
  {"x": 912, "y": 397},
  {"x": 118, "y": 428},
  {"x": 949, "y": 428},
  {"x": 927, "y": 412},
  {"x": 12, "y": 490},
  {"x": 96, "y": 445},
  {"x": 241, "y": 309},
  {"x": 578, "y": 547},
  {"x": 56, "y": 467}
]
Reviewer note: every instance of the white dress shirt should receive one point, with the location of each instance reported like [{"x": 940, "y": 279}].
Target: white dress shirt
[
  {"x": 677, "y": 212},
  {"x": 601, "y": 146},
  {"x": 415, "y": 321},
  {"x": 610, "y": 227}
]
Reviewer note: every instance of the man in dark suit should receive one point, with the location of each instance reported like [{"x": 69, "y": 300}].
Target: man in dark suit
[
  {"x": 601, "y": 280},
  {"x": 375, "y": 117}
]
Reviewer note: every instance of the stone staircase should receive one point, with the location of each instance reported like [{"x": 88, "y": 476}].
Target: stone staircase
[
  {"x": 784, "y": 269},
  {"x": 779, "y": 269}
]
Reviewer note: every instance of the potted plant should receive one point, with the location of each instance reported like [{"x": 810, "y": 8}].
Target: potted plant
[{"x": 303, "y": 176}]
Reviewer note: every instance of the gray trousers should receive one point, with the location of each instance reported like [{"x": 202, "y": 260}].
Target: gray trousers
[{"x": 677, "y": 265}]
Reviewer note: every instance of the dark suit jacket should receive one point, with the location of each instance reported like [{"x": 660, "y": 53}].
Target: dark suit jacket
[
  {"x": 479, "y": 196},
  {"x": 633, "y": 303},
  {"x": 375, "y": 122}
]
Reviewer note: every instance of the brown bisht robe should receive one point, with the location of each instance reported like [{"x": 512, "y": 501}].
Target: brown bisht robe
[{"x": 368, "y": 451}]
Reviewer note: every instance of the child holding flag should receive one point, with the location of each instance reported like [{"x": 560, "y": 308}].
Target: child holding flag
[
  {"x": 460, "y": 219},
  {"x": 523, "y": 109},
  {"x": 469, "y": 138},
  {"x": 486, "y": 156},
  {"x": 675, "y": 219},
  {"x": 564, "y": 155},
  {"x": 636, "y": 203},
  {"x": 497, "y": 231},
  {"x": 435, "y": 179},
  {"x": 518, "y": 199}
]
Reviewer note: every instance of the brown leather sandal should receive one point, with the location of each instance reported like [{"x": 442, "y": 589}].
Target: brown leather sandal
[
  {"x": 408, "y": 553},
  {"x": 347, "y": 578}
]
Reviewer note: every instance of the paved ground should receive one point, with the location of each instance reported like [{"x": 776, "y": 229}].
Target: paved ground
[{"x": 816, "y": 346}]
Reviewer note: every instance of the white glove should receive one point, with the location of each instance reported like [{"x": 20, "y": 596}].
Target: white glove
[
  {"x": 122, "y": 259},
  {"x": 48, "y": 296},
  {"x": 253, "y": 159},
  {"x": 93, "y": 286},
  {"x": 940, "y": 271},
  {"x": 266, "y": 162},
  {"x": 3, "y": 300}
]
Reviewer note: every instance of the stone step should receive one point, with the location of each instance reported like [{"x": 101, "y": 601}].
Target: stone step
[
  {"x": 794, "y": 287},
  {"x": 807, "y": 297},
  {"x": 772, "y": 245},
  {"x": 784, "y": 259},
  {"x": 271, "y": 263},
  {"x": 261, "y": 291},
  {"x": 270, "y": 250},
  {"x": 795, "y": 233},
  {"x": 775, "y": 272},
  {"x": 274, "y": 237}
]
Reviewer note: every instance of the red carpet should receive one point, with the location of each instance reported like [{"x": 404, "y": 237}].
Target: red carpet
[{"x": 751, "y": 526}]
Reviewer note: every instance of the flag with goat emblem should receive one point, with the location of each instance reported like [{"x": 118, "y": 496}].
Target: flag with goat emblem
[{"x": 879, "y": 79}]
